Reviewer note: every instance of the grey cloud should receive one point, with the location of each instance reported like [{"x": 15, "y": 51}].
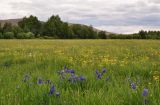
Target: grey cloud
[{"x": 99, "y": 13}]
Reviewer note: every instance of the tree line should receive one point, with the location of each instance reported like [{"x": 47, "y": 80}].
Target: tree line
[
  {"x": 30, "y": 27},
  {"x": 140, "y": 35},
  {"x": 54, "y": 27}
]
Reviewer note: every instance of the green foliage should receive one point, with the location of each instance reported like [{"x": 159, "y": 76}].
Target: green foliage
[
  {"x": 143, "y": 34},
  {"x": 1, "y": 36},
  {"x": 91, "y": 33},
  {"x": 23, "y": 35},
  {"x": 52, "y": 26},
  {"x": 7, "y": 27},
  {"x": 64, "y": 31},
  {"x": 30, "y": 24},
  {"x": 55, "y": 28},
  {"x": 83, "y": 32},
  {"x": 1, "y": 28},
  {"x": 29, "y": 35},
  {"x": 16, "y": 30},
  {"x": 8, "y": 35},
  {"x": 102, "y": 35}
]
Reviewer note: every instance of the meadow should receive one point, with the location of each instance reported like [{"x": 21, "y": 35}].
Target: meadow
[{"x": 79, "y": 72}]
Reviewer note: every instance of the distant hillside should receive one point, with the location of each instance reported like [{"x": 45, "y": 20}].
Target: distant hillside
[
  {"x": 12, "y": 21},
  {"x": 15, "y": 22}
]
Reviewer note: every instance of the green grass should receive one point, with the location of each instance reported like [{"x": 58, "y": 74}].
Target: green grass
[{"x": 138, "y": 60}]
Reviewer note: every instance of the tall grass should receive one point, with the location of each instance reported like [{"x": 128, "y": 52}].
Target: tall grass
[{"x": 126, "y": 61}]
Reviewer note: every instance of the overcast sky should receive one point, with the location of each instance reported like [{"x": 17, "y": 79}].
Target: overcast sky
[{"x": 120, "y": 16}]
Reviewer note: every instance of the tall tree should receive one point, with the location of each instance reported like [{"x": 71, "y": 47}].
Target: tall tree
[
  {"x": 53, "y": 27},
  {"x": 16, "y": 30},
  {"x": 92, "y": 34},
  {"x": 65, "y": 30},
  {"x": 102, "y": 35},
  {"x": 143, "y": 34},
  {"x": 7, "y": 27},
  {"x": 0, "y": 28},
  {"x": 30, "y": 24}
]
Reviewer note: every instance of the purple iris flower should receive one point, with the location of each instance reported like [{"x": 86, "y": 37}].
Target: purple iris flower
[
  {"x": 40, "y": 81},
  {"x": 104, "y": 70},
  {"x": 70, "y": 71},
  {"x": 52, "y": 90},
  {"x": 133, "y": 85},
  {"x": 99, "y": 75},
  {"x": 97, "y": 72},
  {"x": 72, "y": 77},
  {"x": 145, "y": 92},
  {"x": 57, "y": 94},
  {"x": 81, "y": 78}
]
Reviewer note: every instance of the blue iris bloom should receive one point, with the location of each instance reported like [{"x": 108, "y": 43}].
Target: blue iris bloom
[
  {"x": 98, "y": 74},
  {"x": 57, "y": 94},
  {"x": 52, "y": 90},
  {"x": 145, "y": 92},
  {"x": 133, "y": 85},
  {"x": 40, "y": 81},
  {"x": 70, "y": 71},
  {"x": 104, "y": 70},
  {"x": 81, "y": 78}
]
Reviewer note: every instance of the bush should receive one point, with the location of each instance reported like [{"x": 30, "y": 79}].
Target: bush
[
  {"x": 9, "y": 35},
  {"x": 102, "y": 35},
  {"x": 29, "y": 35},
  {"x": 21, "y": 35},
  {"x": 1, "y": 36}
]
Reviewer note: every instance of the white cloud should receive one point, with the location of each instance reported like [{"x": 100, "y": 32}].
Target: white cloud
[
  {"x": 128, "y": 29},
  {"x": 116, "y": 15}
]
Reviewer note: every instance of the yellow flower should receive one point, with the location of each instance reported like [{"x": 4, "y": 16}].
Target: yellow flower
[
  {"x": 156, "y": 78},
  {"x": 149, "y": 83}
]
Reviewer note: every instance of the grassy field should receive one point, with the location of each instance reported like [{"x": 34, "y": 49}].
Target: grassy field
[{"x": 63, "y": 72}]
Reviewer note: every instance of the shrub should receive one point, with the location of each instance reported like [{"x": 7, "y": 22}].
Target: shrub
[
  {"x": 9, "y": 35},
  {"x": 102, "y": 35},
  {"x": 21, "y": 35},
  {"x": 29, "y": 35},
  {"x": 1, "y": 36}
]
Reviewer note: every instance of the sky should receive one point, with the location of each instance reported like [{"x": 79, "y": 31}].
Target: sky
[{"x": 118, "y": 16}]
